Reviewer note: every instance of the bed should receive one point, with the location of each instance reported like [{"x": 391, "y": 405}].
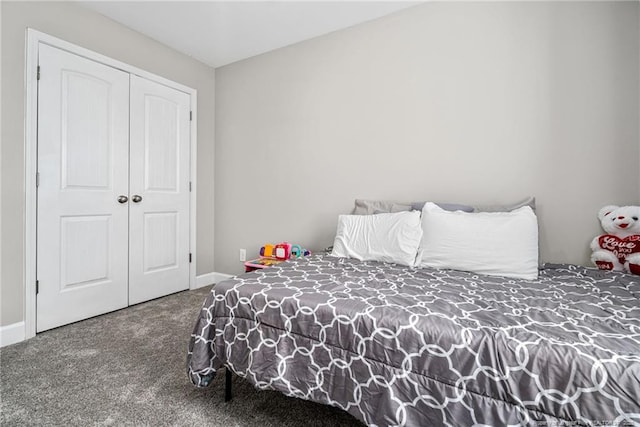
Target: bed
[{"x": 398, "y": 345}]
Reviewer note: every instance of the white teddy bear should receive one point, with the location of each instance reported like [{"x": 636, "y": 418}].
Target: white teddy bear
[{"x": 619, "y": 249}]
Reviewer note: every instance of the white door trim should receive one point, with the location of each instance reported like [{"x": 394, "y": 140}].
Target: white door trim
[{"x": 35, "y": 37}]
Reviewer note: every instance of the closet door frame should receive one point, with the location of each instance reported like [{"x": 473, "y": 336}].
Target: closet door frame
[{"x": 33, "y": 40}]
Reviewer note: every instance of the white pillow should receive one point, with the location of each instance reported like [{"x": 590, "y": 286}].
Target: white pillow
[
  {"x": 387, "y": 237},
  {"x": 492, "y": 243}
]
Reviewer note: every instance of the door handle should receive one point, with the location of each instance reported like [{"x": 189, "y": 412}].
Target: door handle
[
  {"x": 136, "y": 199},
  {"x": 122, "y": 199}
]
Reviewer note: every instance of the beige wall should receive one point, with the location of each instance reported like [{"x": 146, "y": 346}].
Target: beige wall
[
  {"x": 481, "y": 102},
  {"x": 93, "y": 31}
]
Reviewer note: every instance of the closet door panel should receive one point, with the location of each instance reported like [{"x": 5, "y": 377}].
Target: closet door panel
[
  {"x": 159, "y": 212},
  {"x": 83, "y": 152}
]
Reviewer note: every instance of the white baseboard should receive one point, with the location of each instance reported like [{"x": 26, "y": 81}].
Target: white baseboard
[
  {"x": 219, "y": 277},
  {"x": 12, "y": 334},
  {"x": 209, "y": 279},
  {"x": 204, "y": 280}
]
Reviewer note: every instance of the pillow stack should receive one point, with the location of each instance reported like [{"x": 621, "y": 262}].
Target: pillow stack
[{"x": 493, "y": 242}]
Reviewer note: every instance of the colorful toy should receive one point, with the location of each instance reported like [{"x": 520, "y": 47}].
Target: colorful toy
[
  {"x": 267, "y": 251},
  {"x": 283, "y": 251},
  {"x": 260, "y": 263},
  {"x": 298, "y": 252},
  {"x": 619, "y": 248}
]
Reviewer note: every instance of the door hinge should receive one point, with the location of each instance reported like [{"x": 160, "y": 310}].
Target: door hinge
[
  {"x": 189, "y": 256},
  {"x": 37, "y": 179},
  {"x": 190, "y": 116},
  {"x": 189, "y": 186},
  {"x": 37, "y": 287},
  {"x": 38, "y": 74}
]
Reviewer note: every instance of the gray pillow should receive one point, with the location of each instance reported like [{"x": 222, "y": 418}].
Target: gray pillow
[
  {"x": 417, "y": 206},
  {"x": 529, "y": 201},
  {"x": 370, "y": 207}
]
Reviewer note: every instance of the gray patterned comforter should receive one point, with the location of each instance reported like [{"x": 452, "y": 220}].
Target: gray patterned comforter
[{"x": 420, "y": 347}]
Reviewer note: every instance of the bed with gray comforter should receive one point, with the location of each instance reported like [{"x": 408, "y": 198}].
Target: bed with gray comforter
[{"x": 407, "y": 346}]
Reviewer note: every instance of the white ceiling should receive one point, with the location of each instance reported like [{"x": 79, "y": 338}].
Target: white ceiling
[{"x": 220, "y": 32}]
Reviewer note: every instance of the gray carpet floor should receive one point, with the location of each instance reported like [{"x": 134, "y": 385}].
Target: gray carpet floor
[{"x": 128, "y": 368}]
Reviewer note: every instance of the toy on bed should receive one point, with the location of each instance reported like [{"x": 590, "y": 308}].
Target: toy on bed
[{"x": 619, "y": 248}]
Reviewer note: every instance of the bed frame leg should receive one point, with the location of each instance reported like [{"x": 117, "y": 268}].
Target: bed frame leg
[{"x": 227, "y": 384}]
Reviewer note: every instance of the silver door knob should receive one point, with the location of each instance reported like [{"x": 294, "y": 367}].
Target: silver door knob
[
  {"x": 122, "y": 199},
  {"x": 136, "y": 199}
]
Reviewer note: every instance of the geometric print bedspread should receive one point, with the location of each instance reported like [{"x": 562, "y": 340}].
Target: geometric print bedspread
[{"x": 394, "y": 345}]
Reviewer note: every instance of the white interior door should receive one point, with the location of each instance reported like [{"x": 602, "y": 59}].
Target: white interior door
[
  {"x": 83, "y": 144},
  {"x": 159, "y": 189}
]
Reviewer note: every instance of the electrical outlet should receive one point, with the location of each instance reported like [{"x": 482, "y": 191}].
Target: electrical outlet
[{"x": 243, "y": 254}]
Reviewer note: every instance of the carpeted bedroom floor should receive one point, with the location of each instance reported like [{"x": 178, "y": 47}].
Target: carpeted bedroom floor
[{"x": 128, "y": 368}]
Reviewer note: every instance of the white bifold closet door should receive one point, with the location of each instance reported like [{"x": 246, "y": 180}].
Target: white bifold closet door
[
  {"x": 159, "y": 187},
  {"x": 83, "y": 166},
  {"x": 113, "y": 193}
]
